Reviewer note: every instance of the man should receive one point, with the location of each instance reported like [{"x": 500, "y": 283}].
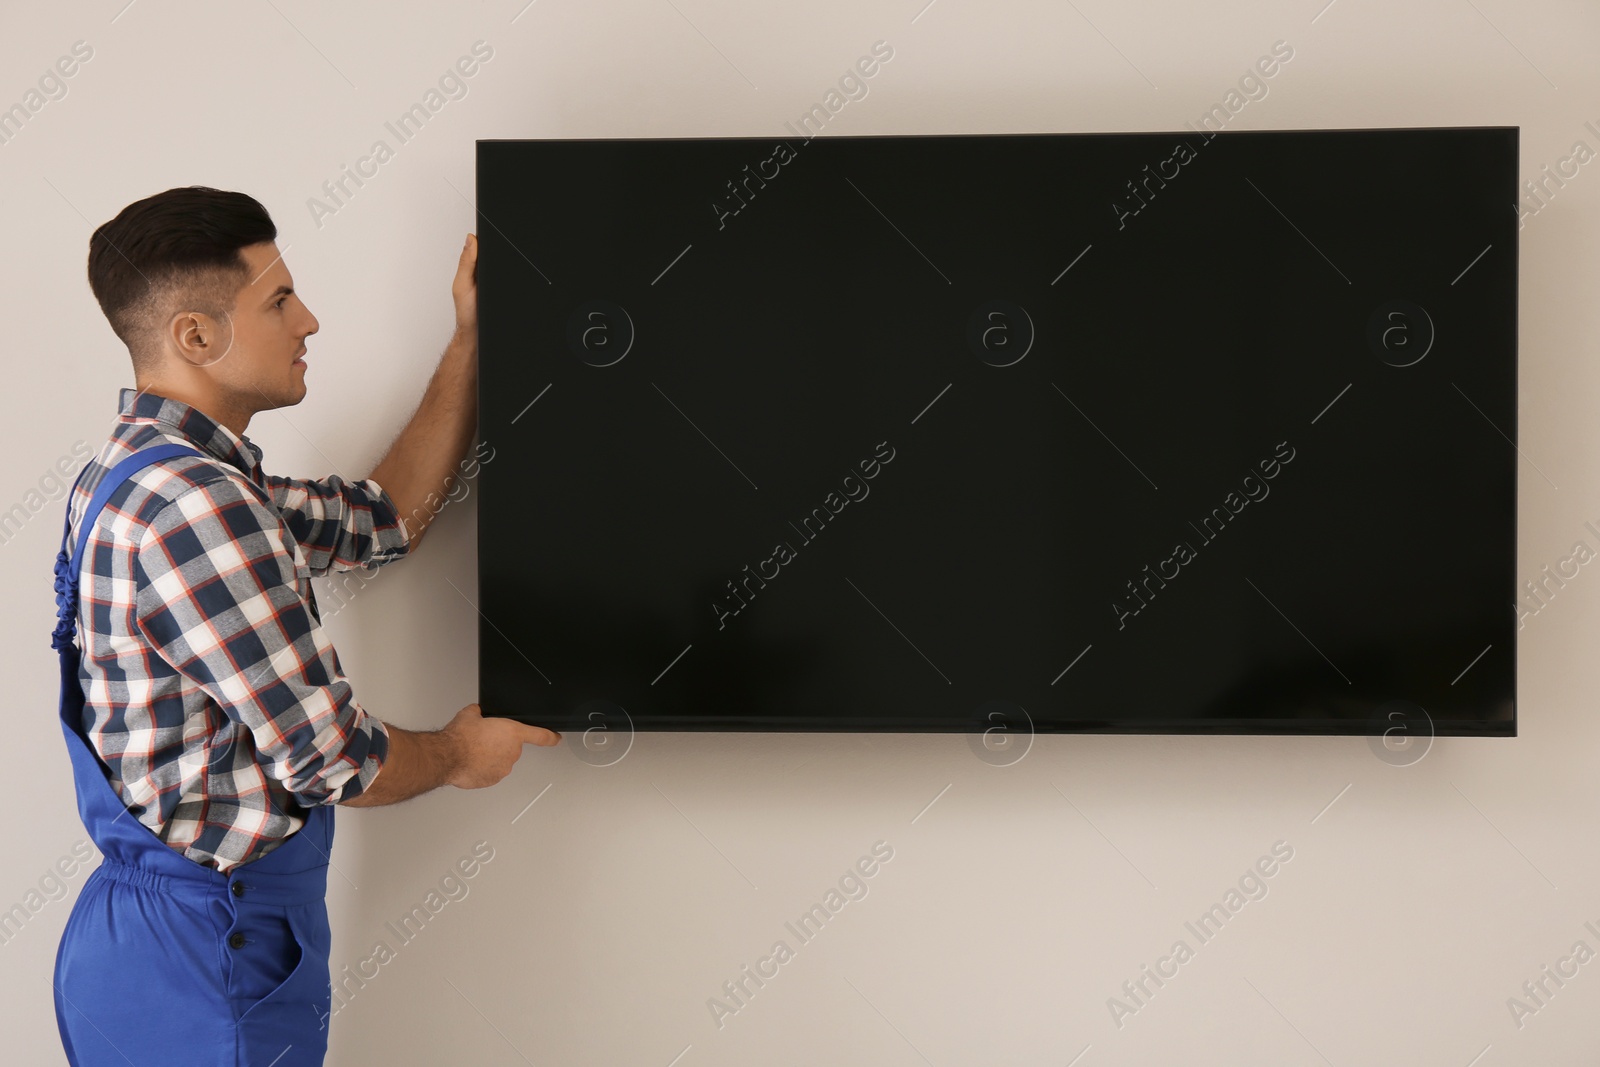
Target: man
[{"x": 210, "y": 726}]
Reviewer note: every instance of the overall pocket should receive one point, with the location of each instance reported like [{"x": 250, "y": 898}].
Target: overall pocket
[
  {"x": 264, "y": 953},
  {"x": 287, "y": 1026}
]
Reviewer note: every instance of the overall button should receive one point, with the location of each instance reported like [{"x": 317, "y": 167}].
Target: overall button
[
  {"x": 237, "y": 940},
  {"x": 135, "y": 809},
  {"x": 238, "y": 889}
]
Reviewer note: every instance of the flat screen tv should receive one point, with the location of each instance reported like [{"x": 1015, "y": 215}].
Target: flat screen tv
[{"x": 1130, "y": 432}]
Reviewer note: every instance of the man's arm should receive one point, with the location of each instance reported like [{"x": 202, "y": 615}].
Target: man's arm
[
  {"x": 217, "y": 594},
  {"x": 423, "y": 459},
  {"x": 339, "y": 525},
  {"x": 416, "y": 764},
  {"x": 471, "y": 752}
]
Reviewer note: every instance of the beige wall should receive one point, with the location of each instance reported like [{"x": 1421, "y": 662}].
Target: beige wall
[{"x": 1414, "y": 905}]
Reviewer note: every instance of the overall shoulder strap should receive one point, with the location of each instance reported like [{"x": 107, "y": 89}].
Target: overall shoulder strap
[
  {"x": 67, "y": 567},
  {"x": 115, "y": 477}
]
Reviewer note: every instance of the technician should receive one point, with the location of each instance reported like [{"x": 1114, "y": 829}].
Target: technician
[{"x": 210, "y": 727}]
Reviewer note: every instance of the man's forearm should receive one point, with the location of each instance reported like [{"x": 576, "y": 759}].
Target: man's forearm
[
  {"x": 420, "y": 462},
  {"x": 417, "y": 762}
]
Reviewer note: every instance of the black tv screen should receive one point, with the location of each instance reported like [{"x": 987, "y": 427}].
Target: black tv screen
[{"x": 1131, "y": 432}]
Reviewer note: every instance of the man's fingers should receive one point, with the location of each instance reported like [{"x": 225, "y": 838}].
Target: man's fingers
[{"x": 538, "y": 735}]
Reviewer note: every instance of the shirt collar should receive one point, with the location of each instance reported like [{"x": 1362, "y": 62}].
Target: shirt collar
[{"x": 195, "y": 425}]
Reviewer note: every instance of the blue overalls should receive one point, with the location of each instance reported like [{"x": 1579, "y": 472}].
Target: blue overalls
[{"x": 165, "y": 962}]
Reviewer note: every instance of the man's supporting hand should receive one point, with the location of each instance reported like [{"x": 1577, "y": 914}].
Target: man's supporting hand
[
  {"x": 485, "y": 750},
  {"x": 471, "y": 752}
]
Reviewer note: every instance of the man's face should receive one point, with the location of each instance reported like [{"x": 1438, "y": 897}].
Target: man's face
[{"x": 260, "y": 368}]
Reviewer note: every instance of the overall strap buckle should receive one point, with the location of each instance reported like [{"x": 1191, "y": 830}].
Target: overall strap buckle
[{"x": 66, "y": 603}]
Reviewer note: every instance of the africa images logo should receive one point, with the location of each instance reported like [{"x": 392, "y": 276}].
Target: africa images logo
[{"x": 600, "y": 332}]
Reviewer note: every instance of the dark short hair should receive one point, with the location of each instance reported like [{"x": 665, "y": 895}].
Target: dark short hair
[{"x": 174, "y": 251}]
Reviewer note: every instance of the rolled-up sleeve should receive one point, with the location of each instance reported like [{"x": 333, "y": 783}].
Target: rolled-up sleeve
[
  {"x": 216, "y": 592},
  {"x": 341, "y": 525}
]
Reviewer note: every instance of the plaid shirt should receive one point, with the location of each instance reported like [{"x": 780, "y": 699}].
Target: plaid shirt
[{"x": 211, "y": 690}]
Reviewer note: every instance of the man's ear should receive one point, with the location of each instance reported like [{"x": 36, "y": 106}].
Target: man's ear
[{"x": 196, "y": 338}]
